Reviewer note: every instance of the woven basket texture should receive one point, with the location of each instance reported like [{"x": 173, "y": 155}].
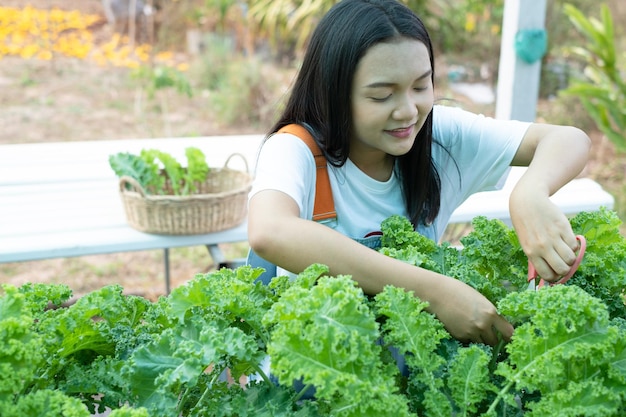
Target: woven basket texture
[{"x": 219, "y": 203}]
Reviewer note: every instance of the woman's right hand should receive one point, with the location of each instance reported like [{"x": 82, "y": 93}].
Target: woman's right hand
[{"x": 468, "y": 315}]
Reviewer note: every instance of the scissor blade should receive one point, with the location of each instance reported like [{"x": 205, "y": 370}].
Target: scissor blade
[{"x": 532, "y": 285}]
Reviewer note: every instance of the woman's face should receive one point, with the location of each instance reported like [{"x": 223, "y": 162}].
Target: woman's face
[{"x": 392, "y": 94}]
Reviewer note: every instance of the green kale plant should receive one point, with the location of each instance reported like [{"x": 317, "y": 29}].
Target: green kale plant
[{"x": 225, "y": 345}]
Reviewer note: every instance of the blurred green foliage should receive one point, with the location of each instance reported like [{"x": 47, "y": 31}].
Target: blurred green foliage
[
  {"x": 465, "y": 33},
  {"x": 601, "y": 87}
]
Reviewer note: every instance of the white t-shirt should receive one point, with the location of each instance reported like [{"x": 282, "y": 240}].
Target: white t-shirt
[{"x": 482, "y": 148}]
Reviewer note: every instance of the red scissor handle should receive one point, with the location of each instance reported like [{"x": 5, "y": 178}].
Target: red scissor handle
[{"x": 532, "y": 273}]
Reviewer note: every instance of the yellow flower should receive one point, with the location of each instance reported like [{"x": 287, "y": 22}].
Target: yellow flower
[
  {"x": 29, "y": 51},
  {"x": 34, "y": 33},
  {"x": 164, "y": 56},
  {"x": 470, "y": 22},
  {"x": 45, "y": 55}
]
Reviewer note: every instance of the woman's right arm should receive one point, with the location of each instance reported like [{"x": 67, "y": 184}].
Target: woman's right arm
[{"x": 279, "y": 235}]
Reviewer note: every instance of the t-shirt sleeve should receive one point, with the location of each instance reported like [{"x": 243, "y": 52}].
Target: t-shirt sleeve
[
  {"x": 477, "y": 147},
  {"x": 286, "y": 164}
]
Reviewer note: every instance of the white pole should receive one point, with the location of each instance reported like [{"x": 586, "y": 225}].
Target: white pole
[{"x": 518, "y": 80}]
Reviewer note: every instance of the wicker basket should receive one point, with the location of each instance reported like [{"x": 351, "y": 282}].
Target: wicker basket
[{"x": 220, "y": 203}]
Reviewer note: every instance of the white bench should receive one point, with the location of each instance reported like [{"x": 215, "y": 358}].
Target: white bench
[{"x": 61, "y": 199}]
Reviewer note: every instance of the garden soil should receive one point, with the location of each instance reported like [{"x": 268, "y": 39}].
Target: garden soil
[{"x": 72, "y": 100}]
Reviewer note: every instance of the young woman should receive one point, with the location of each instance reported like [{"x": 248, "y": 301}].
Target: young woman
[{"x": 365, "y": 93}]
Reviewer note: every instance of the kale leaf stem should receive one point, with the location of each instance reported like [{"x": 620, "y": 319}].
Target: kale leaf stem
[
  {"x": 302, "y": 391},
  {"x": 494, "y": 404}
]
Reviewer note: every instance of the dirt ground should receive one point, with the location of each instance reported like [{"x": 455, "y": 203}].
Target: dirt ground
[{"x": 71, "y": 100}]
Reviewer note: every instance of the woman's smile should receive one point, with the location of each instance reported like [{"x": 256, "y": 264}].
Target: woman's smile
[{"x": 402, "y": 133}]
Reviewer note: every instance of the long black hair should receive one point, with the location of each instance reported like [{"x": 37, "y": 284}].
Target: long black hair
[{"x": 320, "y": 97}]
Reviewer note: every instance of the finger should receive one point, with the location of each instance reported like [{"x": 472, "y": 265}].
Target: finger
[
  {"x": 489, "y": 337},
  {"x": 556, "y": 264},
  {"x": 502, "y": 326},
  {"x": 568, "y": 237},
  {"x": 544, "y": 270},
  {"x": 566, "y": 253}
]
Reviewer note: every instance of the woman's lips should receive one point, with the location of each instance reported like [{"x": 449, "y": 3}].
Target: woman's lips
[{"x": 402, "y": 133}]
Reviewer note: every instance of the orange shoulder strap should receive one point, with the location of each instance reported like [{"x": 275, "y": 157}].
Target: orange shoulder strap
[{"x": 324, "y": 206}]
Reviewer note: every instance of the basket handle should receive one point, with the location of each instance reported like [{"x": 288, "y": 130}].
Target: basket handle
[
  {"x": 134, "y": 185},
  {"x": 239, "y": 155}
]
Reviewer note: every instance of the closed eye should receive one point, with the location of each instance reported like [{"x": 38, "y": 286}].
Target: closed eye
[{"x": 380, "y": 99}]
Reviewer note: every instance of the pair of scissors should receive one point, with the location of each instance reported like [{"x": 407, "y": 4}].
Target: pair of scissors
[{"x": 535, "y": 282}]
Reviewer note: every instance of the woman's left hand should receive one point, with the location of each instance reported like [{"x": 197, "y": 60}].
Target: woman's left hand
[{"x": 544, "y": 233}]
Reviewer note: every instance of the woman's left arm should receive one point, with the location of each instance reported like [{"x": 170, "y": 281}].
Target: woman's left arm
[{"x": 554, "y": 155}]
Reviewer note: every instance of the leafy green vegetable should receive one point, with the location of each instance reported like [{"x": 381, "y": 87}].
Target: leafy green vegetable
[
  {"x": 602, "y": 273},
  {"x": 129, "y": 412},
  {"x": 565, "y": 344},
  {"x": 417, "y": 335},
  {"x": 20, "y": 353},
  {"x": 45, "y": 403},
  {"x": 197, "y": 169},
  {"x": 469, "y": 380},
  {"x": 325, "y": 335},
  {"x": 203, "y": 350},
  {"x": 160, "y": 173},
  {"x": 173, "y": 170},
  {"x": 145, "y": 172}
]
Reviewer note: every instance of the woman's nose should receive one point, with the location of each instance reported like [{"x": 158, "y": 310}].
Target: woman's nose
[{"x": 406, "y": 109}]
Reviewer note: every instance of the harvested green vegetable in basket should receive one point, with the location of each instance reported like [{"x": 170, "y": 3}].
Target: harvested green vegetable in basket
[{"x": 160, "y": 173}]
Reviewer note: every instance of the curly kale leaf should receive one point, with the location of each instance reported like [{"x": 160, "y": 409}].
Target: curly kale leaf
[
  {"x": 76, "y": 349},
  {"x": 255, "y": 400},
  {"x": 129, "y": 412},
  {"x": 398, "y": 233},
  {"x": 602, "y": 272},
  {"x": 104, "y": 322},
  {"x": 492, "y": 248},
  {"x": 145, "y": 171},
  {"x": 40, "y": 297},
  {"x": 20, "y": 346},
  {"x": 413, "y": 256},
  {"x": 231, "y": 295},
  {"x": 326, "y": 336},
  {"x": 45, "y": 403},
  {"x": 85, "y": 344},
  {"x": 588, "y": 398},
  {"x": 100, "y": 383},
  {"x": 601, "y": 225},
  {"x": 400, "y": 241},
  {"x": 417, "y": 335},
  {"x": 469, "y": 379},
  {"x": 479, "y": 264},
  {"x": 565, "y": 338},
  {"x": 181, "y": 358}
]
